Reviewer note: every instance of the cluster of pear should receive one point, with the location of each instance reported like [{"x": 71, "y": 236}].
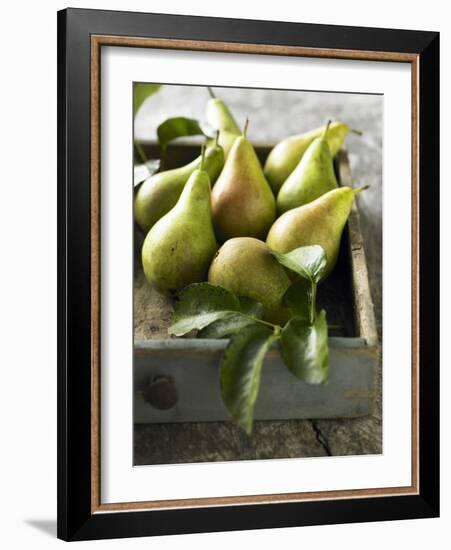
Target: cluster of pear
[{"x": 225, "y": 196}]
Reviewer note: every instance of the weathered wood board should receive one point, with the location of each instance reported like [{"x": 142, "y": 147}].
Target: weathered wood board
[{"x": 189, "y": 368}]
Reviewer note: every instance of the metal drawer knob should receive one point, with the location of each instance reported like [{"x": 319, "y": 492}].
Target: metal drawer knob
[{"x": 161, "y": 393}]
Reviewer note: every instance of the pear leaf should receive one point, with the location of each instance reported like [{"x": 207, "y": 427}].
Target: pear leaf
[
  {"x": 141, "y": 91},
  {"x": 305, "y": 348},
  {"x": 241, "y": 368},
  {"x": 226, "y": 326},
  {"x": 143, "y": 171},
  {"x": 251, "y": 307},
  {"x": 250, "y": 312},
  {"x": 297, "y": 299},
  {"x": 199, "y": 305},
  {"x": 307, "y": 261},
  {"x": 173, "y": 128}
]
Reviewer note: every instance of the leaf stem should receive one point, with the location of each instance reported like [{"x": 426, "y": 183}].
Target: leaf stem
[
  {"x": 312, "y": 302},
  {"x": 210, "y": 91},
  {"x": 277, "y": 328},
  {"x": 141, "y": 153}
]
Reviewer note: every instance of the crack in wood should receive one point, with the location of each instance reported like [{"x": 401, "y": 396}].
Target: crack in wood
[{"x": 321, "y": 438}]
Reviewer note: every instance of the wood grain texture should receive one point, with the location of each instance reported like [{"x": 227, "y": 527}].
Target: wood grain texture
[
  {"x": 259, "y": 49},
  {"x": 364, "y": 308},
  {"x": 257, "y": 499},
  {"x": 95, "y": 276}
]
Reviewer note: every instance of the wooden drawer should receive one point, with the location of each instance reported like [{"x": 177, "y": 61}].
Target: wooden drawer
[{"x": 183, "y": 373}]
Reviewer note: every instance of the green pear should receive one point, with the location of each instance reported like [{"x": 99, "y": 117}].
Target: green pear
[
  {"x": 178, "y": 249},
  {"x": 246, "y": 267},
  {"x": 319, "y": 222},
  {"x": 243, "y": 204},
  {"x": 159, "y": 193},
  {"x": 285, "y": 156},
  {"x": 312, "y": 177},
  {"x": 218, "y": 115}
]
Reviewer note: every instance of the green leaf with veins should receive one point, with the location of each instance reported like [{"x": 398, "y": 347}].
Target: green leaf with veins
[
  {"x": 241, "y": 368},
  {"x": 226, "y": 326},
  {"x": 297, "y": 299},
  {"x": 199, "y": 305},
  {"x": 305, "y": 348},
  {"x": 251, "y": 307},
  {"x": 250, "y": 312},
  {"x": 307, "y": 261}
]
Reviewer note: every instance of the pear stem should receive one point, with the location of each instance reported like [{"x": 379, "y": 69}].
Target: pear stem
[
  {"x": 329, "y": 122},
  {"x": 202, "y": 158},
  {"x": 360, "y": 189},
  {"x": 246, "y": 124},
  {"x": 357, "y": 132},
  {"x": 210, "y": 91},
  {"x": 217, "y": 138}
]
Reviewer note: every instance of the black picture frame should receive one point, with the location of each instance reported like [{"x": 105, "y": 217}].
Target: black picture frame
[{"x": 76, "y": 519}]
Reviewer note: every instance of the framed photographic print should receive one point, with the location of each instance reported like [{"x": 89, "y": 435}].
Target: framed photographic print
[{"x": 248, "y": 274}]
